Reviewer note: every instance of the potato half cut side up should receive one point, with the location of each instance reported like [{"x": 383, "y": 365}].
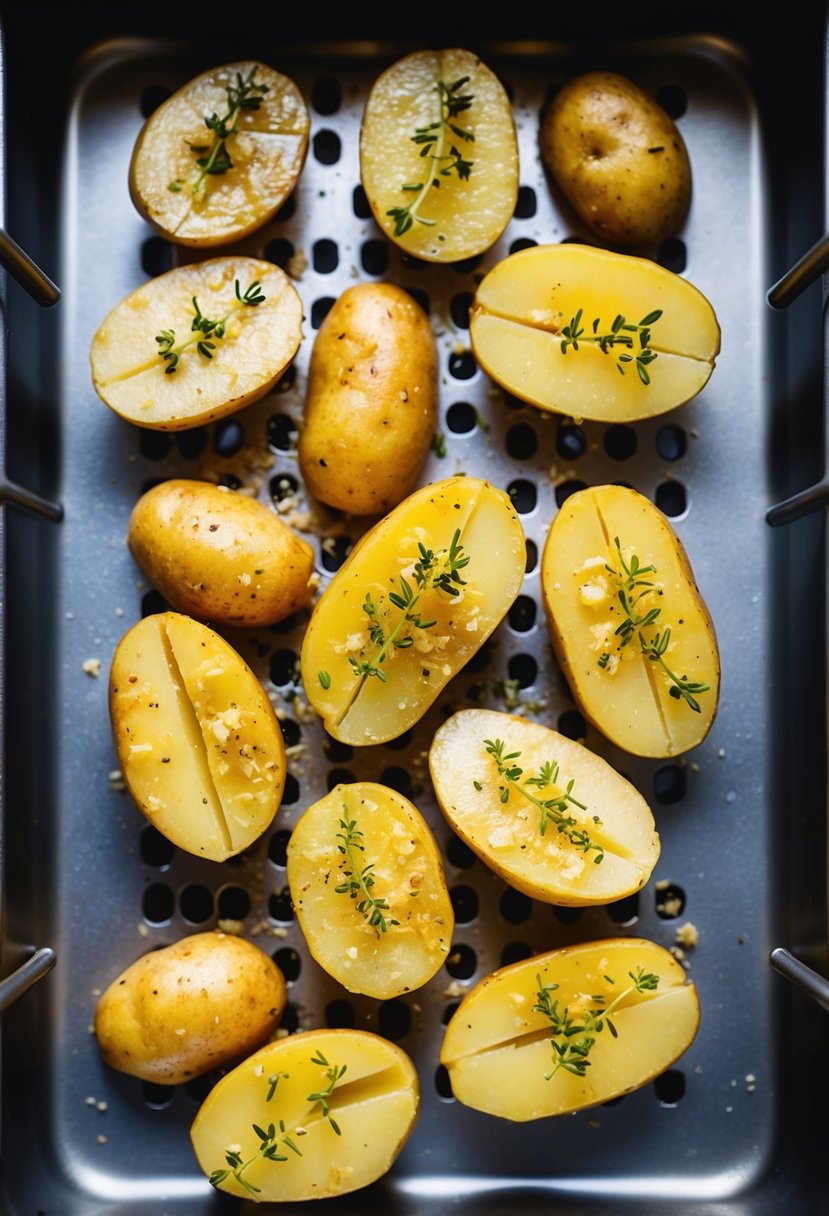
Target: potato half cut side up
[
  {"x": 551, "y": 818},
  {"x": 419, "y": 595},
  {"x": 512, "y": 1048},
  {"x": 628, "y": 624}
]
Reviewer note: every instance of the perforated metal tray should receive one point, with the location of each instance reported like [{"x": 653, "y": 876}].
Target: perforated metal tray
[{"x": 705, "y": 1135}]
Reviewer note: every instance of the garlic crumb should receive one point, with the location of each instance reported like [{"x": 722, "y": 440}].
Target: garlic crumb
[{"x": 92, "y": 667}]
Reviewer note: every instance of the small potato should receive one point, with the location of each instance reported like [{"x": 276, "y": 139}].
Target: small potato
[
  {"x": 371, "y": 406},
  {"x": 507, "y": 1054},
  {"x": 182, "y": 1010},
  {"x": 248, "y": 174},
  {"x": 570, "y": 829},
  {"x": 419, "y": 595},
  {"x": 618, "y": 158},
  {"x": 220, "y": 556},
  {"x": 155, "y": 364},
  {"x": 316, "y": 1115},
  {"x": 369, "y": 890},
  {"x": 439, "y": 155},
  {"x": 197, "y": 738},
  {"x": 647, "y": 675},
  {"x": 593, "y": 334}
]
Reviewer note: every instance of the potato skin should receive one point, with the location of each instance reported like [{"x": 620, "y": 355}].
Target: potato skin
[
  {"x": 225, "y": 995},
  {"x": 618, "y": 158},
  {"x": 219, "y": 556},
  {"x": 371, "y": 407}
]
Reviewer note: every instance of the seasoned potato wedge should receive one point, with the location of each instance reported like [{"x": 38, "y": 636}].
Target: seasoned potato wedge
[
  {"x": 372, "y": 400},
  {"x": 419, "y": 595},
  {"x": 570, "y": 830},
  {"x": 618, "y": 158},
  {"x": 369, "y": 890},
  {"x": 218, "y": 555},
  {"x": 646, "y": 674},
  {"x": 197, "y": 738},
  {"x": 505, "y": 1050},
  {"x": 542, "y": 326},
  {"x": 152, "y": 365},
  {"x": 249, "y": 170},
  {"x": 338, "y": 1105},
  {"x": 439, "y": 155},
  {"x": 184, "y": 1009}
]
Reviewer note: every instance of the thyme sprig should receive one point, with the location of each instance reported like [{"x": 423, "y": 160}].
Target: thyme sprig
[
  {"x": 334, "y": 1074},
  {"x": 631, "y": 588},
  {"x": 432, "y": 141},
  {"x": 359, "y": 878},
  {"x": 579, "y": 1033},
  {"x": 244, "y": 94},
  {"x": 433, "y": 570},
  {"x": 553, "y": 810},
  {"x": 203, "y": 331},
  {"x": 620, "y": 334}
]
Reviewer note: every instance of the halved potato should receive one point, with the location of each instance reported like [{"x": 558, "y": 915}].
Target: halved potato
[
  {"x": 197, "y": 738},
  {"x": 251, "y": 171},
  {"x": 369, "y": 890},
  {"x": 154, "y": 367},
  {"x": 315, "y": 1115},
  {"x": 549, "y": 325},
  {"x": 419, "y": 595},
  {"x": 553, "y": 819},
  {"x": 647, "y": 675},
  {"x": 439, "y": 155},
  {"x": 507, "y": 1051}
]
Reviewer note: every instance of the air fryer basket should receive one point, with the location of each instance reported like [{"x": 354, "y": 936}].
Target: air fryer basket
[{"x": 736, "y": 1125}]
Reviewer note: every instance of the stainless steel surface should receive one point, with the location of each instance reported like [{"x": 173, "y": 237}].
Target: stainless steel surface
[
  {"x": 707, "y": 1133},
  {"x": 27, "y": 273},
  {"x": 26, "y": 975},
  {"x": 806, "y": 270},
  {"x": 816, "y": 986}
]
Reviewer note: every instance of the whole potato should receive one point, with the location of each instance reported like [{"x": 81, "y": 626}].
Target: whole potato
[
  {"x": 618, "y": 158},
  {"x": 189, "y": 1007},
  {"x": 371, "y": 407},
  {"x": 220, "y": 556}
]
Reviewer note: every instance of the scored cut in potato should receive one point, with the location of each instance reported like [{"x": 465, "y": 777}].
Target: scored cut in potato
[
  {"x": 418, "y": 596},
  {"x": 153, "y": 368},
  {"x": 198, "y": 741},
  {"x": 337, "y": 1104},
  {"x": 368, "y": 886},
  {"x": 439, "y": 155},
  {"x": 504, "y": 1049},
  {"x": 186, "y": 1008},
  {"x": 649, "y": 703},
  {"x": 526, "y": 303},
  {"x": 255, "y": 159},
  {"x": 477, "y": 754}
]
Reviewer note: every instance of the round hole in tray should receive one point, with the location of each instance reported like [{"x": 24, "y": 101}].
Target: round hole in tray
[
  {"x": 326, "y": 95},
  {"x": 289, "y": 963},
  {"x": 462, "y": 961},
  {"x": 339, "y": 776},
  {"x": 228, "y": 437},
  {"x": 565, "y": 488},
  {"x": 516, "y": 907},
  {"x": 198, "y": 1089},
  {"x": 196, "y": 903},
  {"x": 158, "y": 903},
  {"x": 420, "y": 297},
  {"x": 154, "y": 445},
  {"x": 408, "y": 262},
  {"x": 620, "y": 441},
  {"x": 333, "y": 556},
  {"x": 624, "y": 911},
  {"x": 290, "y": 794},
  {"x": 670, "y": 900},
  {"x": 513, "y": 403},
  {"x": 523, "y": 242},
  {"x": 514, "y": 952},
  {"x": 153, "y": 602},
  {"x": 285, "y": 212},
  {"x": 615, "y": 1101},
  {"x": 149, "y": 483},
  {"x": 278, "y": 848},
  {"x": 459, "y": 854},
  {"x": 673, "y": 255},
  {"x": 524, "y": 495},
  {"x": 286, "y": 380},
  {"x": 327, "y": 146},
  {"x": 337, "y": 752},
  {"x": 340, "y": 1015},
  {"x": 291, "y": 732},
  {"x": 283, "y": 485},
  {"x": 320, "y": 310},
  {"x": 669, "y": 784},
  {"x": 325, "y": 256},
  {"x": 673, "y": 99},
  {"x": 397, "y": 778},
  {"x": 152, "y": 96},
  {"x": 374, "y": 257},
  {"x": 191, "y": 443},
  {"x": 280, "y": 907},
  {"x": 359, "y": 204},
  {"x": 567, "y": 916},
  {"x": 523, "y": 668},
  {"x": 521, "y": 441},
  {"x": 526, "y": 204},
  {"x": 443, "y": 1085},
  {"x": 157, "y": 1097},
  {"x": 571, "y": 441},
  {"x": 464, "y": 902},
  {"x": 572, "y": 725},
  {"x": 290, "y": 1019},
  {"x": 279, "y": 251},
  {"x": 461, "y": 418},
  {"x": 284, "y": 668},
  {"x": 230, "y": 480},
  {"x": 401, "y": 742},
  {"x": 394, "y": 1020},
  {"x": 532, "y": 556},
  {"x": 671, "y": 498},
  {"x": 670, "y": 1087},
  {"x": 156, "y": 256},
  {"x": 467, "y": 265},
  {"x": 234, "y": 903},
  {"x": 671, "y": 442},
  {"x": 522, "y": 614},
  {"x": 156, "y": 850},
  {"x": 459, "y": 307},
  {"x": 282, "y": 431},
  {"x": 462, "y": 366},
  {"x": 480, "y": 659}
]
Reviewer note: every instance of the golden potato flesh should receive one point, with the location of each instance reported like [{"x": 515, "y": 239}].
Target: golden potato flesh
[
  {"x": 439, "y": 156},
  {"x": 218, "y": 555},
  {"x": 369, "y": 890},
  {"x": 151, "y": 366},
  {"x": 197, "y": 738},
  {"x": 252, "y": 169},
  {"x": 618, "y": 158},
  {"x": 505, "y": 1050},
  {"x": 186, "y": 1008},
  {"x": 372, "y": 401},
  {"x": 647, "y": 675},
  {"x": 316, "y": 1115},
  {"x": 418, "y": 596},
  {"x": 526, "y": 303},
  {"x": 570, "y": 829}
]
